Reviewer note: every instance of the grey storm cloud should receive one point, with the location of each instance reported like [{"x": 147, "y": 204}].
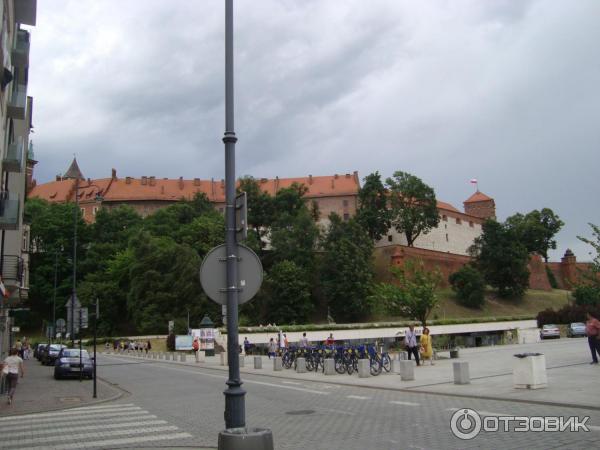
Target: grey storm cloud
[{"x": 503, "y": 91}]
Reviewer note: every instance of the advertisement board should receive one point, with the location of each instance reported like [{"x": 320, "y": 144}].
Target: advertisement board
[{"x": 183, "y": 342}]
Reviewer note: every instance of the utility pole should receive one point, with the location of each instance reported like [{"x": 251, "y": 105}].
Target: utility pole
[{"x": 74, "y": 290}]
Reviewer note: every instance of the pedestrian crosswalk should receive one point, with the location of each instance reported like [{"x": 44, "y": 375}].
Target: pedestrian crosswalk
[{"x": 102, "y": 426}]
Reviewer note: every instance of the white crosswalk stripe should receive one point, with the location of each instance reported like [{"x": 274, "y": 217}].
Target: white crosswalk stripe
[{"x": 90, "y": 427}]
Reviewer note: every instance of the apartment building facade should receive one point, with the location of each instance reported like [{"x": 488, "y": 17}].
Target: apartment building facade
[{"x": 16, "y": 110}]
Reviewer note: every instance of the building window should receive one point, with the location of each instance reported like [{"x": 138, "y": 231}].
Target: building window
[
  {"x": 345, "y": 203},
  {"x": 390, "y": 238},
  {"x": 346, "y": 217},
  {"x": 471, "y": 224},
  {"x": 447, "y": 237},
  {"x": 445, "y": 218},
  {"x": 458, "y": 221},
  {"x": 95, "y": 210},
  {"x": 82, "y": 212}
]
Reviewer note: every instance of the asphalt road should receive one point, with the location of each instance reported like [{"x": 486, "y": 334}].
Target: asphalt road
[{"x": 172, "y": 406}]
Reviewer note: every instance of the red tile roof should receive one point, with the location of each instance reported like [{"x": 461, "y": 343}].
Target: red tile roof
[{"x": 478, "y": 197}]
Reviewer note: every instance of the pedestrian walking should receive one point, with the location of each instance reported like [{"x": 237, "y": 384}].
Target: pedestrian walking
[
  {"x": 410, "y": 341},
  {"x": 246, "y": 346},
  {"x": 426, "y": 346},
  {"x": 280, "y": 341},
  {"x": 148, "y": 346},
  {"x": 330, "y": 340},
  {"x": 19, "y": 347},
  {"x": 272, "y": 348},
  {"x": 12, "y": 366},
  {"x": 592, "y": 330},
  {"x": 196, "y": 348},
  {"x": 285, "y": 341}
]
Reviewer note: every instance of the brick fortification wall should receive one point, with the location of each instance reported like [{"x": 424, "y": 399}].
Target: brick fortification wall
[{"x": 567, "y": 272}]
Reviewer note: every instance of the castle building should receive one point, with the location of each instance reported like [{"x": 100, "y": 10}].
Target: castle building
[
  {"x": 333, "y": 193},
  {"x": 17, "y": 157}
]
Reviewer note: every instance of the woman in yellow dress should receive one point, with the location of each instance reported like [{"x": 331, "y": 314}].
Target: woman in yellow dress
[{"x": 426, "y": 348}]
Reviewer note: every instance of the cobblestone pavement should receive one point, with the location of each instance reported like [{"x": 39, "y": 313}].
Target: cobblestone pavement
[
  {"x": 310, "y": 414},
  {"x": 39, "y": 391}
]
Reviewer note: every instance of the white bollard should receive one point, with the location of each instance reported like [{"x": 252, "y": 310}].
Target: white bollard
[
  {"x": 201, "y": 356},
  {"x": 242, "y": 361},
  {"x": 461, "y": 372},
  {"x": 329, "y": 366},
  {"x": 403, "y": 356},
  {"x": 530, "y": 372},
  {"x": 277, "y": 364},
  {"x": 197, "y": 356},
  {"x": 301, "y": 365},
  {"x": 395, "y": 366},
  {"x": 223, "y": 356},
  {"x": 258, "y": 362},
  {"x": 407, "y": 370},
  {"x": 364, "y": 368},
  {"x": 182, "y": 358},
  {"x": 154, "y": 355}
]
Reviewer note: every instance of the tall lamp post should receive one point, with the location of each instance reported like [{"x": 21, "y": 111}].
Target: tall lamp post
[{"x": 74, "y": 288}]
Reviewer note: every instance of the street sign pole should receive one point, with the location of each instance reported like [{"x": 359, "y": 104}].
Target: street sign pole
[{"x": 80, "y": 326}]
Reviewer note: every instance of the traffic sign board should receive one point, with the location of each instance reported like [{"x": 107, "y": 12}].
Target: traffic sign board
[{"x": 213, "y": 274}]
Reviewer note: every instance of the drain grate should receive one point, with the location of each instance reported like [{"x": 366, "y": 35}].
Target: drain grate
[
  {"x": 300, "y": 412},
  {"x": 69, "y": 399}
]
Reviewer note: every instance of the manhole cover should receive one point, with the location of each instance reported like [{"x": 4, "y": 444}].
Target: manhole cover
[
  {"x": 300, "y": 412},
  {"x": 69, "y": 399}
]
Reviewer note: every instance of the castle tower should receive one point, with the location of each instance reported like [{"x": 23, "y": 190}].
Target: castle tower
[
  {"x": 480, "y": 205},
  {"x": 73, "y": 172}
]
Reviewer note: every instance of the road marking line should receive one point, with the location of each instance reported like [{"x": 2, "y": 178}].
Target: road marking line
[
  {"x": 246, "y": 381},
  {"x": 76, "y": 421},
  {"x": 291, "y": 382},
  {"x": 358, "y": 397},
  {"x": 83, "y": 436},
  {"x": 93, "y": 408},
  {"x": 109, "y": 414},
  {"x": 397, "y": 402},
  {"x": 68, "y": 412},
  {"x": 114, "y": 442},
  {"x": 69, "y": 429}
]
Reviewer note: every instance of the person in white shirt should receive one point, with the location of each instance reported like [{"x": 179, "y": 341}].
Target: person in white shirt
[
  {"x": 303, "y": 341},
  {"x": 12, "y": 366},
  {"x": 410, "y": 340}
]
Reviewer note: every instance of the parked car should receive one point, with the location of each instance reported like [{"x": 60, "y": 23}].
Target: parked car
[
  {"x": 42, "y": 349},
  {"x": 69, "y": 364},
  {"x": 51, "y": 353},
  {"x": 550, "y": 331},
  {"x": 576, "y": 329},
  {"x": 37, "y": 348}
]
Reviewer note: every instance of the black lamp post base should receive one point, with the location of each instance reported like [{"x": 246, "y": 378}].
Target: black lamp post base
[{"x": 246, "y": 439}]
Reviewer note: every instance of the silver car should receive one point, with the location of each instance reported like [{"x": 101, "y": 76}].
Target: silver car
[
  {"x": 550, "y": 331},
  {"x": 576, "y": 329}
]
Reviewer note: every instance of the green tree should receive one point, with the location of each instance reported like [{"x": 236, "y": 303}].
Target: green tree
[
  {"x": 373, "y": 213},
  {"x": 502, "y": 259},
  {"x": 347, "y": 269},
  {"x": 414, "y": 292},
  {"x": 260, "y": 209},
  {"x": 469, "y": 286},
  {"x": 536, "y": 230},
  {"x": 203, "y": 233},
  {"x": 289, "y": 294},
  {"x": 413, "y": 206}
]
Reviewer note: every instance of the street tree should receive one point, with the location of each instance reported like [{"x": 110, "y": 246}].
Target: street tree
[
  {"x": 502, "y": 259},
  {"x": 413, "y": 206},
  {"x": 373, "y": 213},
  {"x": 536, "y": 230},
  {"x": 288, "y": 292},
  {"x": 412, "y": 292},
  {"x": 347, "y": 269}
]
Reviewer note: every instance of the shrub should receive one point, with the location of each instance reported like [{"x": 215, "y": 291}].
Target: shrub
[
  {"x": 587, "y": 295},
  {"x": 567, "y": 314},
  {"x": 469, "y": 286},
  {"x": 171, "y": 342}
]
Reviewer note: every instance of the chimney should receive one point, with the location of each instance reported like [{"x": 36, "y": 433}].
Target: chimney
[
  {"x": 310, "y": 180},
  {"x": 58, "y": 178},
  {"x": 336, "y": 176},
  {"x": 276, "y": 184},
  {"x": 114, "y": 174},
  {"x": 196, "y": 181},
  {"x": 347, "y": 175},
  {"x": 127, "y": 180},
  {"x": 144, "y": 181},
  {"x": 212, "y": 187},
  {"x": 152, "y": 181},
  {"x": 356, "y": 180},
  {"x": 180, "y": 182},
  {"x": 89, "y": 180}
]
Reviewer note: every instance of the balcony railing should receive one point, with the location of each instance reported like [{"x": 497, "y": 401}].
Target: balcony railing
[
  {"x": 13, "y": 161},
  {"x": 12, "y": 270},
  {"x": 18, "y": 100},
  {"x": 9, "y": 211},
  {"x": 20, "y": 50}
]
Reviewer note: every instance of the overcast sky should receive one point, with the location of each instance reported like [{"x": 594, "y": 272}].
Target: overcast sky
[{"x": 507, "y": 92}]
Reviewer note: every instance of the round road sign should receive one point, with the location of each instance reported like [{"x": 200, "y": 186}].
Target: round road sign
[{"x": 213, "y": 273}]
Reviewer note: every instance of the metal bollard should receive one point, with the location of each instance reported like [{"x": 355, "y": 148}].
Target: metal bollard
[
  {"x": 461, "y": 372},
  {"x": 407, "y": 370},
  {"x": 258, "y": 362},
  {"x": 242, "y": 361},
  {"x": 395, "y": 366},
  {"x": 223, "y": 356},
  {"x": 364, "y": 368},
  {"x": 301, "y": 365},
  {"x": 277, "y": 364},
  {"x": 329, "y": 366}
]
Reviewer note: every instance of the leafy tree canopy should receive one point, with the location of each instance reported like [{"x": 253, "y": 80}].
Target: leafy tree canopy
[
  {"x": 373, "y": 213},
  {"x": 536, "y": 230}
]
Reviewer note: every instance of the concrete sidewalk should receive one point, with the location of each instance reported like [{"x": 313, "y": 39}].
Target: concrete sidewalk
[
  {"x": 572, "y": 381},
  {"x": 38, "y": 391}
]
